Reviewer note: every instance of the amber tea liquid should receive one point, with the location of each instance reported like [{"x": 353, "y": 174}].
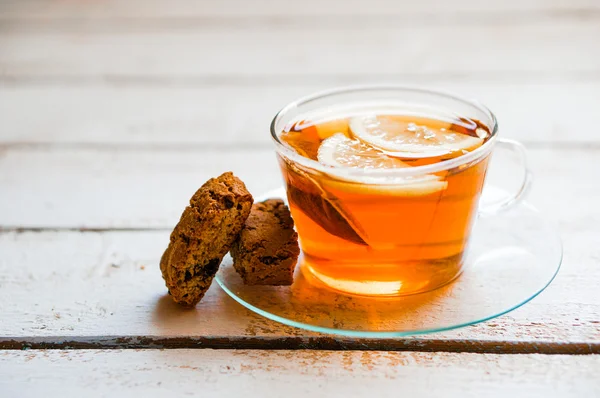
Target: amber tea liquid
[{"x": 372, "y": 236}]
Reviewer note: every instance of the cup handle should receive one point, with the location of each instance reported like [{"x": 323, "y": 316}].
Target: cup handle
[{"x": 504, "y": 204}]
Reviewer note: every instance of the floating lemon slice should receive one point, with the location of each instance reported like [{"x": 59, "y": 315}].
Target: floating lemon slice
[
  {"x": 339, "y": 152},
  {"x": 423, "y": 186},
  {"x": 401, "y": 138}
]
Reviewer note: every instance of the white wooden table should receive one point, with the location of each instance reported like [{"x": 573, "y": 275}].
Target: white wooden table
[{"x": 113, "y": 112}]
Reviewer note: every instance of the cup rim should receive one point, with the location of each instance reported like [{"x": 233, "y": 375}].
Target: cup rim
[{"x": 400, "y": 172}]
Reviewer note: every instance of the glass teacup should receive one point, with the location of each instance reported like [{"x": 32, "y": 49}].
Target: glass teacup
[{"x": 384, "y": 184}]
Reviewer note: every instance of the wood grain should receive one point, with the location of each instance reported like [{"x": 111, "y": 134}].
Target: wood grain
[
  {"x": 148, "y": 189},
  {"x": 297, "y": 373},
  {"x": 132, "y": 189},
  {"x": 104, "y": 289},
  {"x": 106, "y": 292},
  {"x": 114, "y": 112},
  {"x": 187, "y": 8},
  {"x": 203, "y": 115},
  {"x": 274, "y": 51}
]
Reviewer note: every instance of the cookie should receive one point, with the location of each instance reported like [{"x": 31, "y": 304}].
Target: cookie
[
  {"x": 267, "y": 248},
  {"x": 207, "y": 229}
]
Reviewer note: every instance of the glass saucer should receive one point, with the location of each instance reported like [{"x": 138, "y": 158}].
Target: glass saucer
[{"x": 513, "y": 257}]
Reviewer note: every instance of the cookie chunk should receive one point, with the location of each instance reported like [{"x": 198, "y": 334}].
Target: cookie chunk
[
  {"x": 267, "y": 249},
  {"x": 207, "y": 229}
]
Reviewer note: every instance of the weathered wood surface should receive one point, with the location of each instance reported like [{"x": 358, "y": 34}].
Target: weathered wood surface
[
  {"x": 131, "y": 188},
  {"x": 105, "y": 289},
  {"x": 198, "y": 114},
  {"x": 112, "y": 113},
  {"x": 294, "y": 374},
  {"x": 290, "y": 51},
  {"x": 39, "y": 9},
  {"x": 110, "y": 284}
]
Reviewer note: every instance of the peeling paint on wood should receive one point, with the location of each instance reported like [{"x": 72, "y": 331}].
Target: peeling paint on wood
[
  {"x": 229, "y": 373},
  {"x": 112, "y": 295}
]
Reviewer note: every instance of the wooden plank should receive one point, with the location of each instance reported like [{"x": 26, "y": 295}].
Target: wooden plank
[
  {"x": 93, "y": 188},
  {"x": 187, "y": 8},
  {"x": 223, "y": 373},
  {"x": 106, "y": 292},
  {"x": 130, "y": 189},
  {"x": 229, "y": 114},
  {"x": 273, "y": 51},
  {"x": 104, "y": 289}
]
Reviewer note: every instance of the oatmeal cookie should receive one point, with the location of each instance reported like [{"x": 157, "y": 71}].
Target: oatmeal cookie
[
  {"x": 267, "y": 248},
  {"x": 207, "y": 229}
]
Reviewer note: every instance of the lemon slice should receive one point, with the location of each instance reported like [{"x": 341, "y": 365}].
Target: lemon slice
[
  {"x": 427, "y": 185},
  {"x": 339, "y": 151},
  {"x": 399, "y": 137}
]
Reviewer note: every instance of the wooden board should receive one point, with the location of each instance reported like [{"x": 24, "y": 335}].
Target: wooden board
[
  {"x": 104, "y": 289},
  {"x": 132, "y": 189},
  {"x": 228, "y": 373},
  {"x": 136, "y": 188},
  {"x": 107, "y": 292},
  {"x": 201, "y": 115},
  {"x": 281, "y": 52},
  {"x": 114, "y": 112},
  {"x": 260, "y": 8}
]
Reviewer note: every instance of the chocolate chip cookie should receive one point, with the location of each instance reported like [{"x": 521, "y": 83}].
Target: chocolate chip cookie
[
  {"x": 207, "y": 229},
  {"x": 267, "y": 248}
]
